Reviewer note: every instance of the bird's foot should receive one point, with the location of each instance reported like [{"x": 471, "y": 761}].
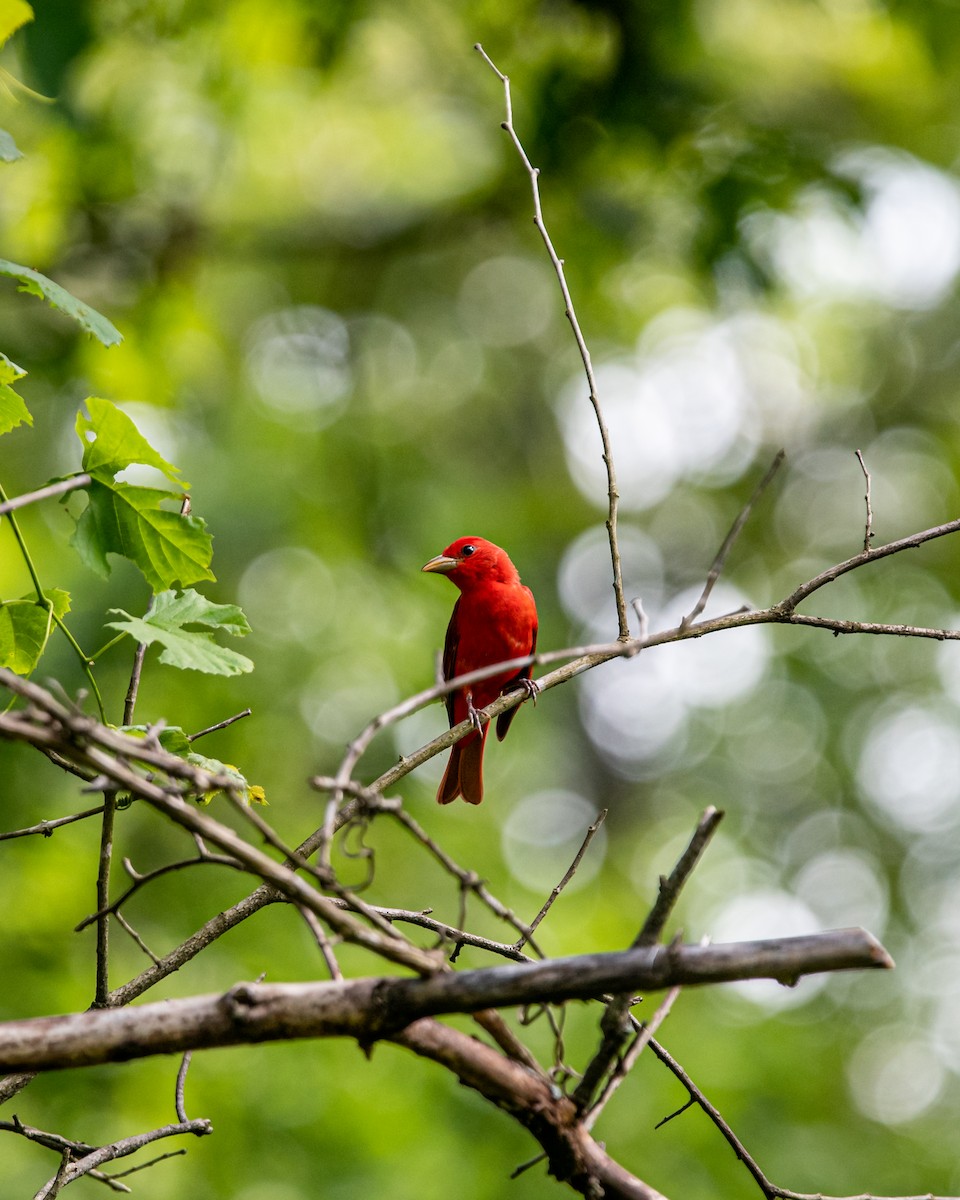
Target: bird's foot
[
  {"x": 472, "y": 715},
  {"x": 531, "y": 687}
]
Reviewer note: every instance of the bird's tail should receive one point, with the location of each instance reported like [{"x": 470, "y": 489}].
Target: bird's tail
[{"x": 464, "y": 773}]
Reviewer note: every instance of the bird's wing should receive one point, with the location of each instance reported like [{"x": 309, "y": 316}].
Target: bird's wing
[{"x": 451, "y": 642}]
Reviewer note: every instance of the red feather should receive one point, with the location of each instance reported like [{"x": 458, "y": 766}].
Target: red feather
[{"x": 494, "y": 619}]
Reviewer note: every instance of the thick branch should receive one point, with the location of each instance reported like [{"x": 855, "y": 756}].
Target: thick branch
[
  {"x": 572, "y": 1154},
  {"x": 370, "y": 1009}
]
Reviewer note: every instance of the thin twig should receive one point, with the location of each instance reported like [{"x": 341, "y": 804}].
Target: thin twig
[
  {"x": 131, "y": 698},
  {"x": 613, "y": 495},
  {"x": 324, "y": 945},
  {"x": 192, "y": 737},
  {"x": 46, "y": 828},
  {"x": 45, "y": 493},
  {"x": 120, "y": 1149},
  {"x": 669, "y": 890},
  {"x": 626, "y": 1064},
  {"x": 151, "y": 1162},
  {"x": 615, "y": 1021},
  {"x": 450, "y": 934},
  {"x": 468, "y": 880},
  {"x": 735, "y": 529},
  {"x": 129, "y": 929},
  {"x": 139, "y": 881},
  {"x": 180, "y": 1085},
  {"x": 868, "y": 527},
  {"x": 571, "y": 871},
  {"x": 103, "y": 896}
]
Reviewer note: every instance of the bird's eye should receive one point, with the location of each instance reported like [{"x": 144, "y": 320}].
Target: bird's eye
[{"x": 467, "y": 551}]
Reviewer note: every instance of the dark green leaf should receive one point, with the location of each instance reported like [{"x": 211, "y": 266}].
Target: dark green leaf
[
  {"x": 124, "y": 519},
  {"x": 39, "y": 285},
  {"x": 25, "y": 627},
  {"x": 13, "y": 411},
  {"x": 166, "y": 622}
]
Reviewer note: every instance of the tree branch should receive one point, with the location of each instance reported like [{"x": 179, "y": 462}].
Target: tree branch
[{"x": 371, "y": 1009}]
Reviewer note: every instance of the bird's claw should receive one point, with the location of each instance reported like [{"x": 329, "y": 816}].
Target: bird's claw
[
  {"x": 532, "y": 688},
  {"x": 472, "y": 715}
]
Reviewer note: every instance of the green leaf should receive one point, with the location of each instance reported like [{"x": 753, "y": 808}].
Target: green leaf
[
  {"x": 252, "y": 793},
  {"x": 25, "y": 627},
  {"x": 127, "y": 520},
  {"x": 13, "y": 14},
  {"x": 116, "y": 443},
  {"x": 8, "y": 148},
  {"x": 39, "y": 285},
  {"x": 13, "y": 411},
  {"x": 173, "y": 739},
  {"x": 166, "y": 622}
]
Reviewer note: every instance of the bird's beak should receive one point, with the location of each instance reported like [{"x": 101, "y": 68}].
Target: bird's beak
[{"x": 442, "y": 564}]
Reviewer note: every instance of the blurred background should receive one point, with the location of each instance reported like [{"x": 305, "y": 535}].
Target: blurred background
[{"x": 338, "y": 320}]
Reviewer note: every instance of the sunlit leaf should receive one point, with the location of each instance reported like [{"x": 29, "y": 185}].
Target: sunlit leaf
[
  {"x": 13, "y": 411},
  {"x": 39, "y": 285},
  {"x": 124, "y": 519},
  {"x": 251, "y": 793},
  {"x": 111, "y": 442},
  {"x": 25, "y": 627},
  {"x": 13, "y": 14},
  {"x": 167, "y": 621},
  {"x": 174, "y": 740}
]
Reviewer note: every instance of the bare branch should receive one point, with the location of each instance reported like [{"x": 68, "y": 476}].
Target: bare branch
[
  {"x": 868, "y": 527},
  {"x": 571, "y": 871},
  {"x": 369, "y": 1009},
  {"x": 670, "y": 887},
  {"x": 613, "y": 495},
  {"x": 192, "y": 737},
  {"x": 180, "y": 1086},
  {"x": 615, "y": 1021},
  {"x": 468, "y": 880},
  {"x": 626, "y": 1064},
  {"x": 103, "y": 896},
  {"x": 46, "y": 828},
  {"x": 770, "y": 1190},
  {"x": 120, "y": 1149},
  {"x": 130, "y": 702},
  {"x": 722, "y": 554},
  {"x": 45, "y": 493}
]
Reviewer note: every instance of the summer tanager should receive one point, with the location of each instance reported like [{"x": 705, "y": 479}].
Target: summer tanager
[{"x": 494, "y": 619}]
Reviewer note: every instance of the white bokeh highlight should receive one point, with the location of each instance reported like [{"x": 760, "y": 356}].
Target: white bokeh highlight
[
  {"x": 909, "y": 768},
  {"x": 542, "y": 835}
]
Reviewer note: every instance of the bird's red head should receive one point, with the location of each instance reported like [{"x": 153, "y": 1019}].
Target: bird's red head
[{"x": 472, "y": 559}]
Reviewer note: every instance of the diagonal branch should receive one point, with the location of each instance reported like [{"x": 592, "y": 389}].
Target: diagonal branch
[
  {"x": 613, "y": 494},
  {"x": 375, "y": 1008},
  {"x": 615, "y": 1024}
]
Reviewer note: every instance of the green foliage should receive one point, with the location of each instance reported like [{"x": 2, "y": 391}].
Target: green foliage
[
  {"x": 13, "y": 411},
  {"x": 111, "y": 443},
  {"x": 319, "y": 246},
  {"x": 167, "y": 621},
  {"x": 123, "y": 518},
  {"x": 174, "y": 739},
  {"x": 13, "y": 15},
  {"x": 25, "y": 627},
  {"x": 58, "y": 297}
]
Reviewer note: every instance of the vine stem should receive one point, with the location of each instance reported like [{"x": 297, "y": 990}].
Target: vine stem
[
  {"x": 613, "y": 494},
  {"x": 46, "y": 603}
]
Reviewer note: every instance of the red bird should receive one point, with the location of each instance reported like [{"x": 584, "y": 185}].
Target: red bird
[{"x": 494, "y": 619}]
